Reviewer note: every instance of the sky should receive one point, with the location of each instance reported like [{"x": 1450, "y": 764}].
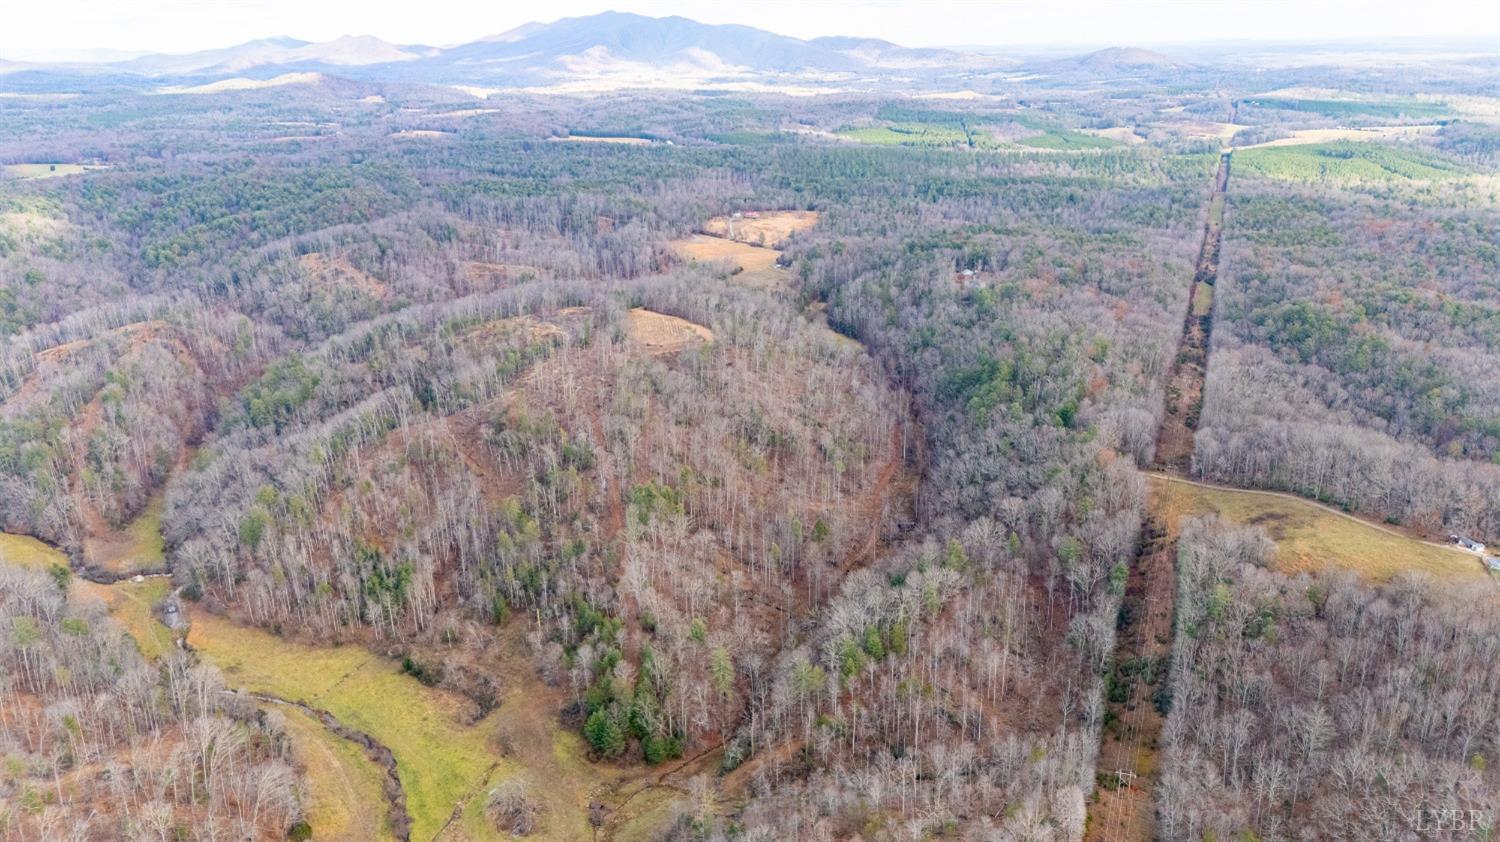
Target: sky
[{"x": 32, "y": 29}]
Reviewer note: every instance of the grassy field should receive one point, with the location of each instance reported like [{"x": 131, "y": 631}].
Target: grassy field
[
  {"x": 1066, "y": 141},
  {"x": 131, "y": 604},
  {"x": 29, "y": 552},
  {"x": 1345, "y": 161},
  {"x": 446, "y": 763},
  {"x": 1203, "y": 299},
  {"x": 344, "y": 794},
  {"x": 27, "y": 171},
  {"x": 344, "y": 787},
  {"x": 1305, "y": 136},
  {"x": 766, "y": 228},
  {"x": 440, "y": 759},
  {"x": 583, "y": 138},
  {"x": 907, "y": 134},
  {"x": 1309, "y": 537}
]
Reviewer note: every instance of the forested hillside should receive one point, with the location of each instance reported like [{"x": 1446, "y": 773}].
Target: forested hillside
[
  {"x": 740, "y": 466},
  {"x": 1356, "y": 746},
  {"x": 1355, "y": 346}
]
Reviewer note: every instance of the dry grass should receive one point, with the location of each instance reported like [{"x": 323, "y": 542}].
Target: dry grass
[
  {"x": 756, "y": 267},
  {"x": 136, "y": 547},
  {"x": 1303, "y": 136},
  {"x": 339, "y": 273},
  {"x": 1310, "y": 537},
  {"x": 627, "y": 141},
  {"x": 663, "y": 334},
  {"x": 767, "y": 228},
  {"x": 1204, "y": 129},
  {"x": 1122, "y": 134},
  {"x": 419, "y": 134},
  {"x": 29, "y": 171}
]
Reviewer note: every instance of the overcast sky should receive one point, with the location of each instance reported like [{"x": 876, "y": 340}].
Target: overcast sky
[{"x": 34, "y": 28}]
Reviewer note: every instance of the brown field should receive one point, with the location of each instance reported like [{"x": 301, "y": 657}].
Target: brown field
[
  {"x": 628, "y": 141},
  {"x": 1304, "y": 136},
  {"x": 1311, "y": 537},
  {"x": 56, "y": 170},
  {"x": 488, "y": 275},
  {"x": 1123, "y": 134},
  {"x": 411, "y": 134},
  {"x": 752, "y": 266},
  {"x": 337, "y": 272},
  {"x": 663, "y": 334},
  {"x": 1203, "y": 129},
  {"x": 769, "y": 228}
]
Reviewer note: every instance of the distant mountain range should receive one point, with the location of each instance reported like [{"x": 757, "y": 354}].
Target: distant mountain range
[{"x": 611, "y": 49}]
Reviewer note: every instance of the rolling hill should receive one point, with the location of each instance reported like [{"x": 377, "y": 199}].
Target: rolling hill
[{"x": 615, "y": 48}]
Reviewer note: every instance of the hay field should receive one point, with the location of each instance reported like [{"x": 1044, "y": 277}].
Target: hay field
[
  {"x": 663, "y": 334},
  {"x": 766, "y": 228},
  {"x": 1310, "y": 537}
]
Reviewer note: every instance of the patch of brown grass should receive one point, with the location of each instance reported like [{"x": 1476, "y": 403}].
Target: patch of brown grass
[
  {"x": 1310, "y": 537},
  {"x": 339, "y": 273},
  {"x": 767, "y": 228},
  {"x": 663, "y": 334},
  {"x": 626, "y": 141}
]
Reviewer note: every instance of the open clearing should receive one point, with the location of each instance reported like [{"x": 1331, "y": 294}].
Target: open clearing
[
  {"x": 663, "y": 334},
  {"x": 1119, "y": 134},
  {"x": 446, "y": 762},
  {"x": 29, "y": 552},
  {"x": 339, "y": 274},
  {"x": 54, "y": 170},
  {"x": 1203, "y": 299},
  {"x": 747, "y": 244},
  {"x": 1310, "y": 537},
  {"x": 344, "y": 795},
  {"x": 752, "y": 266},
  {"x": 137, "y": 547},
  {"x": 439, "y": 758},
  {"x": 578, "y": 138},
  {"x": 767, "y": 228},
  {"x": 131, "y": 604},
  {"x": 1304, "y": 136},
  {"x": 1063, "y": 140}
]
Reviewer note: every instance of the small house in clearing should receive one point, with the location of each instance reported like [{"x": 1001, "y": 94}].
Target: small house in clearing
[{"x": 1469, "y": 544}]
